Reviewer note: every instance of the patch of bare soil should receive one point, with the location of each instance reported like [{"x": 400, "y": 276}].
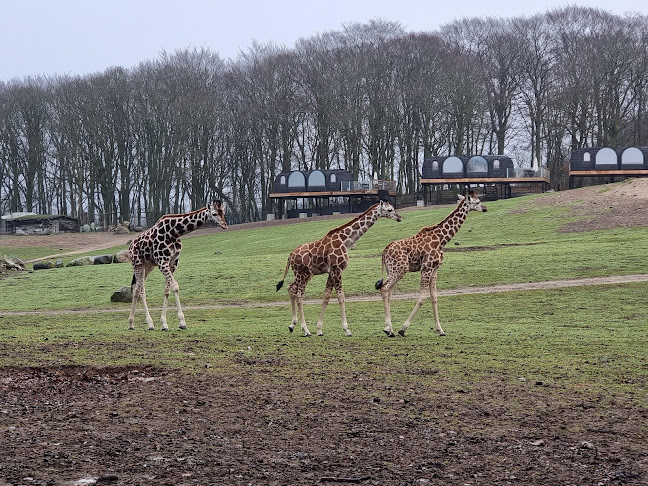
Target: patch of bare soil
[
  {"x": 268, "y": 425},
  {"x": 604, "y": 206}
]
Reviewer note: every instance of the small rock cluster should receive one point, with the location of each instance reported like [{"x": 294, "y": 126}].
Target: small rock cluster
[
  {"x": 11, "y": 264},
  {"x": 121, "y": 256}
]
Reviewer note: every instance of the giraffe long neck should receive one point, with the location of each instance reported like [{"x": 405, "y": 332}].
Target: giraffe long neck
[
  {"x": 179, "y": 224},
  {"x": 454, "y": 221},
  {"x": 355, "y": 229}
]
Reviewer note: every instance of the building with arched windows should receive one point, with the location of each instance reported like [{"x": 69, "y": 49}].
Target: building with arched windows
[
  {"x": 495, "y": 174},
  {"x": 323, "y": 192},
  {"x": 608, "y": 162}
]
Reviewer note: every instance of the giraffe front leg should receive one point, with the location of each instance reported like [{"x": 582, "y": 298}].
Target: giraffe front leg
[
  {"x": 345, "y": 324},
  {"x": 181, "y": 317},
  {"x": 149, "y": 319},
  {"x": 163, "y": 318},
  {"x": 433, "y": 298}
]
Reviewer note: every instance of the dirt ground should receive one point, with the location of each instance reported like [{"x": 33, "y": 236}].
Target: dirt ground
[
  {"x": 276, "y": 426},
  {"x": 126, "y": 426}
]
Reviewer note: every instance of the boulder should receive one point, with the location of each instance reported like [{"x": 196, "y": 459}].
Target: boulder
[
  {"x": 85, "y": 228},
  {"x": 77, "y": 262},
  {"x": 124, "y": 294},
  {"x": 45, "y": 265},
  {"x": 103, "y": 259},
  {"x": 121, "y": 230},
  {"x": 122, "y": 256},
  {"x": 59, "y": 264},
  {"x": 17, "y": 262}
]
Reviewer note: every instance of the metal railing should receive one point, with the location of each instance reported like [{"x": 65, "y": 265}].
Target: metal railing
[{"x": 367, "y": 185}]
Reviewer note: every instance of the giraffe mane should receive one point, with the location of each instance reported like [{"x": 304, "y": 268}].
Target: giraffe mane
[
  {"x": 170, "y": 216},
  {"x": 349, "y": 223}
]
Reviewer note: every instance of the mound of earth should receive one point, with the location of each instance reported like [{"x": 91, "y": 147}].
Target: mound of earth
[{"x": 600, "y": 207}]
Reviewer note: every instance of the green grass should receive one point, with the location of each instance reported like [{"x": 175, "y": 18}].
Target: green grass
[
  {"x": 513, "y": 242},
  {"x": 588, "y": 339}
]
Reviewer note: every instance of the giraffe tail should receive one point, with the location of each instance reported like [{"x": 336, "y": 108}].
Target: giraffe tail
[
  {"x": 380, "y": 282},
  {"x": 281, "y": 282},
  {"x": 133, "y": 281}
]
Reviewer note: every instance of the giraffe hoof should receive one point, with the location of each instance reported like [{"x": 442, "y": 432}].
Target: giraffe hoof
[
  {"x": 389, "y": 333},
  {"x": 182, "y": 327},
  {"x": 349, "y": 335},
  {"x": 290, "y": 328},
  {"x": 165, "y": 329},
  {"x": 402, "y": 332}
]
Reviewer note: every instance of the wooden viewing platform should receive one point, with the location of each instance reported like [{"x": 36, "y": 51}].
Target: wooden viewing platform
[
  {"x": 503, "y": 182},
  {"x": 606, "y": 173}
]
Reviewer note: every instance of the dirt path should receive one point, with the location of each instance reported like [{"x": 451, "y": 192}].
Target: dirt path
[{"x": 492, "y": 289}]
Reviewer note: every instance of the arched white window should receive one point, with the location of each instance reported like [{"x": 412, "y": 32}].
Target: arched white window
[
  {"x": 316, "y": 179},
  {"x": 296, "y": 179},
  {"x": 587, "y": 157},
  {"x": 452, "y": 165},
  {"x": 282, "y": 180},
  {"x": 632, "y": 155},
  {"x": 606, "y": 156},
  {"x": 333, "y": 178},
  {"x": 495, "y": 164},
  {"x": 477, "y": 164},
  {"x": 435, "y": 165}
]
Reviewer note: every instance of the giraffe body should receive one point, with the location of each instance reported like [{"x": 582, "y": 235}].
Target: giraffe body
[
  {"x": 160, "y": 246},
  {"x": 423, "y": 253},
  {"x": 329, "y": 255}
]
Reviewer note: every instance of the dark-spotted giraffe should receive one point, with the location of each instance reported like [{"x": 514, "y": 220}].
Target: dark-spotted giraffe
[
  {"x": 329, "y": 255},
  {"x": 160, "y": 246},
  {"x": 422, "y": 252}
]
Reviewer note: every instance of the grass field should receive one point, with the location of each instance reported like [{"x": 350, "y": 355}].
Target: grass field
[{"x": 537, "y": 353}]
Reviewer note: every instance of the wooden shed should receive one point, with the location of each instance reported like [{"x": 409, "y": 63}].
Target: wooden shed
[{"x": 38, "y": 224}]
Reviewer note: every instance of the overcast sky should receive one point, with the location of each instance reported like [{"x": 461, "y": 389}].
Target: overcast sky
[{"x": 45, "y": 37}]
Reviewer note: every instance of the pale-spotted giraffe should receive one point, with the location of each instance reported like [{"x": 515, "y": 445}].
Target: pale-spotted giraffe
[
  {"x": 329, "y": 255},
  {"x": 160, "y": 246},
  {"x": 422, "y": 252}
]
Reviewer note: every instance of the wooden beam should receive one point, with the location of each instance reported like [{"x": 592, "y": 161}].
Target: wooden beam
[
  {"x": 603, "y": 173},
  {"x": 281, "y": 195},
  {"x": 485, "y": 180}
]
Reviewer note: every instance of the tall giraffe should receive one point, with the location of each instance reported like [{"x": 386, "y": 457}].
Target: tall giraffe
[
  {"x": 329, "y": 255},
  {"x": 422, "y": 252},
  {"x": 160, "y": 246}
]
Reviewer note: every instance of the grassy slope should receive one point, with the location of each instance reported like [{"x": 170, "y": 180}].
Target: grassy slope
[{"x": 513, "y": 245}]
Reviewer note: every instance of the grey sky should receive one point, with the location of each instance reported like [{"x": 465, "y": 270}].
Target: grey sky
[{"x": 44, "y": 37}]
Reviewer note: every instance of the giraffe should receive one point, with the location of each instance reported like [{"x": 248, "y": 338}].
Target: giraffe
[
  {"x": 329, "y": 255},
  {"x": 422, "y": 252},
  {"x": 160, "y": 246}
]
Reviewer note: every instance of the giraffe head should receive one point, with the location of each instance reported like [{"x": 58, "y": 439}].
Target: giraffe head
[
  {"x": 386, "y": 210},
  {"x": 474, "y": 204},
  {"x": 217, "y": 213}
]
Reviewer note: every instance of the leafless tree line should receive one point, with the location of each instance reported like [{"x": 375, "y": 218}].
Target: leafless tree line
[{"x": 174, "y": 132}]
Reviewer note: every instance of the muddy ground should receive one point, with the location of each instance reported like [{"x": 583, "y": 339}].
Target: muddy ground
[{"x": 76, "y": 425}]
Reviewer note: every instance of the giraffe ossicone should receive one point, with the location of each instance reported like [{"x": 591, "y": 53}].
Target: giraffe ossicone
[
  {"x": 423, "y": 253},
  {"x": 329, "y": 255},
  {"x": 160, "y": 246}
]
